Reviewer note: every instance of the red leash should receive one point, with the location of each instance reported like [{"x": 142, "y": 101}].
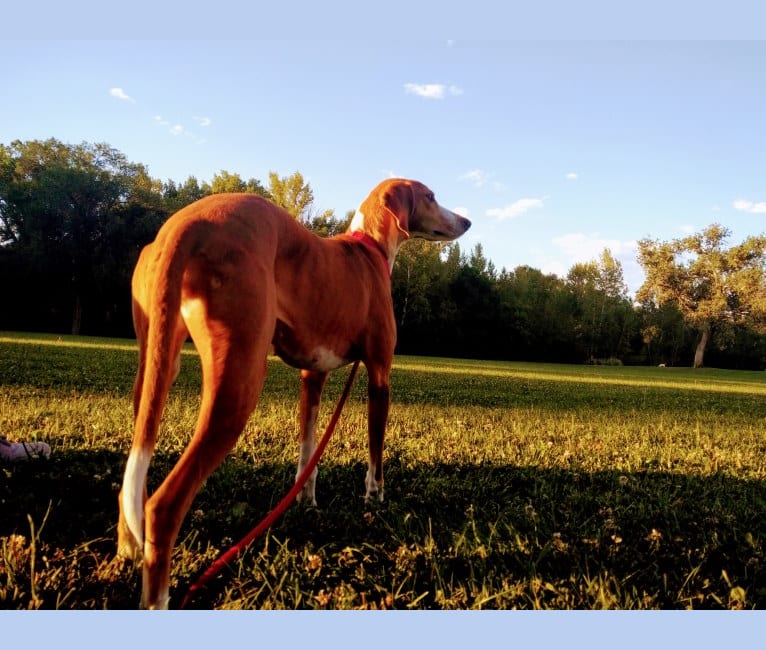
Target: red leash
[{"x": 223, "y": 560}]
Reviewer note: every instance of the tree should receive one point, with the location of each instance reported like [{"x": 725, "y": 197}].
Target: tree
[
  {"x": 59, "y": 207},
  {"x": 711, "y": 285},
  {"x": 175, "y": 197},
  {"x": 664, "y": 333},
  {"x": 412, "y": 288},
  {"x": 603, "y": 309},
  {"x": 479, "y": 263},
  {"x": 538, "y": 315},
  {"x": 293, "y": 194},
  {"x": 327, "y": 225},
  {"x": 224, "y": 181}
]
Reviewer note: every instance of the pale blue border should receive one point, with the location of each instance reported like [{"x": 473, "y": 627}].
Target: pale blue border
[
  {"x": 370, "y": 630},
  {"x": 386, "y": 21},
  {"x": 578, "y": 20}
]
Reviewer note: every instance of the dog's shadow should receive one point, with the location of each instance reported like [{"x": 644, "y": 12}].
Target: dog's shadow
[{"x": 650, "y": 529}]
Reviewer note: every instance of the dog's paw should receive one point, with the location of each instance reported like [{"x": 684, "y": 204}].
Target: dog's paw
[
  {"x": 373, "y": 497},
  {"x": 127, "y": 546},
  {"x": 307, "y": 499},
  {"x": 307, "y": 495},
  {"x": 374, "y": 489},
  {"x": 127, "y": 549},
  {"x": 374, "y": 494}
]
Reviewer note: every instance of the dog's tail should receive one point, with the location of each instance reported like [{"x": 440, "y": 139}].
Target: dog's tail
[{"x": 161, "y": 313}]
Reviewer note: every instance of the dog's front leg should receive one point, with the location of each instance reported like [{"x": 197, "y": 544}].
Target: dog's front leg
[
  {"x": 377, "y": 416},
  {"x": 312, "y": 383}
]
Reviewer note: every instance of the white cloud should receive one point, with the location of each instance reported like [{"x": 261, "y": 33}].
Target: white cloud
[
  {"x": 580, "y": 247},
  {"x": 480, "y": 178},
  {"x": 475, "y": 176},
  {"x": 432, "y": 91},
  {"x": 119, "y": 93},
  {"x": 176, "y": 129},
  {"x": 749, "y": 206},
  {"x": 571, "y": 176},
  {"x": 515, "y": 209},
  {"x": 180, "y": 129},
  {"x": 548, "y": 265}
]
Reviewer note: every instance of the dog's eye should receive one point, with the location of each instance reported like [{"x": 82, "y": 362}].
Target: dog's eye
[{"x": 430, "y": 197}]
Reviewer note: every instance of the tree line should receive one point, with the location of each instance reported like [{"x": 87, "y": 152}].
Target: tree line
[{"x": 73, "y": 219}]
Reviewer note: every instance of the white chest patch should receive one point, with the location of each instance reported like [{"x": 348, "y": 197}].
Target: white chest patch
[{"x": 323, "y": 359}]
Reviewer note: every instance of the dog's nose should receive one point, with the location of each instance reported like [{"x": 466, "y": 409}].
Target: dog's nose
[{"x": 465, "y": 223}]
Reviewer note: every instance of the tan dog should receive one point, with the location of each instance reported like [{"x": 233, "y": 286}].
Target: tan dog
[{"x": 238, "y": 275}]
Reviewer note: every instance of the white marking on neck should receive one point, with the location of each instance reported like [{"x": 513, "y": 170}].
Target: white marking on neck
[{"x": 357, "y": 222}]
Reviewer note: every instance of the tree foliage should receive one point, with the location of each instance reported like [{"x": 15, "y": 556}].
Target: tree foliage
[
  {"x": 604, "y": 310},
  {"x": 712, "y": 286},
  {"x": 224, "y": 181},
  {"x": 68, "y": 216},
  {"x": 293, "y": 194},
  {"x": 73, "y": 219}
]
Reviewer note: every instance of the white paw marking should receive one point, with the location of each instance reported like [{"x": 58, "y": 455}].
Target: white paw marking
[
  {"x": 306, "y": 452},
  {"x": 133, "y": 492},
  {"x": 372, "y": 486}
]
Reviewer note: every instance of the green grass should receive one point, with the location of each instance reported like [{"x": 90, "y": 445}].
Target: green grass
[{"x": 508, "y": 485}]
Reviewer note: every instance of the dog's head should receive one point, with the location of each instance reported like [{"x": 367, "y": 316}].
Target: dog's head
[{"x": 398, "y": 209}]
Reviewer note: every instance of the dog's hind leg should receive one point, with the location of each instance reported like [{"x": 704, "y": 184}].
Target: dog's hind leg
[
  {"x": 233, "y": 341},
  {"x": 127, "y": 544},
  {"x": 133, "y": 494},
  {"x": 312, "y": 383}
]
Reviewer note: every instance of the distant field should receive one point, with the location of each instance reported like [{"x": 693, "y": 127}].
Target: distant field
[{"x": 508, "y": 485}]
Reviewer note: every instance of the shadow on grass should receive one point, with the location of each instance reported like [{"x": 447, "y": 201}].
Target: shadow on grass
[{"x": 664, "y": 540}]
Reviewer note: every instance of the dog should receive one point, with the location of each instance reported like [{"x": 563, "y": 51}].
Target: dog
[{"x": 241, "y": 277}]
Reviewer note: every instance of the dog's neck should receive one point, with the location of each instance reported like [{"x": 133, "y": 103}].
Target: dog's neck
[
  {"x": 364, "y": 238},
  {"x": 380, "y": 225}
]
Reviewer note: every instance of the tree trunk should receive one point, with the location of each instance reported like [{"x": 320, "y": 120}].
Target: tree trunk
[
  {"x": 699, "y": 354},
  {"x": 77, "y": 316}
]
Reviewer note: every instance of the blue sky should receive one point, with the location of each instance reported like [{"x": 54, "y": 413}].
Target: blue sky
[{"x": 554, "y": 149}]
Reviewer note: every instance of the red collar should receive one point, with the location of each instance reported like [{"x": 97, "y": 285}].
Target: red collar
[{"x": 368, "y": 241}]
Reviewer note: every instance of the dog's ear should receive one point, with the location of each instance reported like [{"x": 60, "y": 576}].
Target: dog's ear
[{"x": 399, "y": 199}]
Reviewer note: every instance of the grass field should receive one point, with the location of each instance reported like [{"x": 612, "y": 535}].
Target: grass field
[{"x": 508, "y": 485}]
